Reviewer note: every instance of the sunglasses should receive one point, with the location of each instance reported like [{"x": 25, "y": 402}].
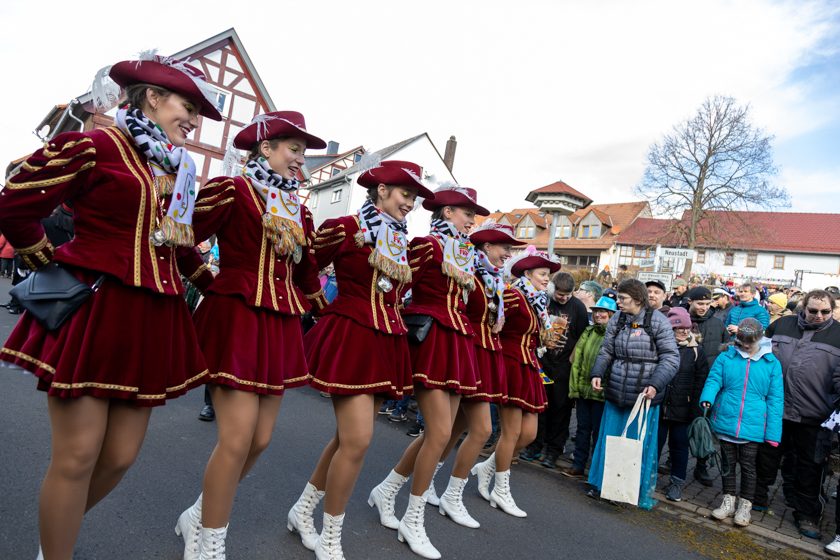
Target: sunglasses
[{"x": 819, "y": 311}]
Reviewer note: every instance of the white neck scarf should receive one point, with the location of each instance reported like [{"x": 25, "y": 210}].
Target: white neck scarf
[
  {"x": 458, "y": 253},
  {"x": 176, "y": 226},
  {"x": 494, "y": 283},
  {"x": 388, "y": 237},
  {"x": 536, "y": 299},
  {"x": 282, "y": 218}
]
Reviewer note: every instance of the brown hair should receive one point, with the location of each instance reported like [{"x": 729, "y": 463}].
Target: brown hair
[
  {"x": 135, "y": 94},
  {"x": 819, "y": 294},
  {"x": 272, "y": 142},
  {"x": 373, "y": 192},
  {"x": 636, "y": 290}
]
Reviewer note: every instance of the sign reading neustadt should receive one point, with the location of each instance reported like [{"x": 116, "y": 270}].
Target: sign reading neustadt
[{"x": 670, "y": 253}]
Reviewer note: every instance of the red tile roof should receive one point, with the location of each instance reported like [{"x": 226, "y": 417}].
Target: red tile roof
[
  {"x": 616, "y": 216},
  {"x": 785, "y": 232},
  {"x": 561, "y": 188}
]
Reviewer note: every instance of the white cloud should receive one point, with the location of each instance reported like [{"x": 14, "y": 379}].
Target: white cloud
[{"x": 534, "y": 91}]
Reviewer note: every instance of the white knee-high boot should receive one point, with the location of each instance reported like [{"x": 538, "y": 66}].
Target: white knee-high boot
[
  {"x": 430, "y": 495},
  {"x": 484, "y": 471},
  {"x": 501, "y": 497},
  {"x": 328, "y": 544},
  {"x": 384, "y": 496},
  {"x": 212, "y": 543},
  {"x": 452, "y": 503},
  {"x": 301, "y": 516},
  {"x": 412, "y": 529},
  {"x": 189, "y": 527}
]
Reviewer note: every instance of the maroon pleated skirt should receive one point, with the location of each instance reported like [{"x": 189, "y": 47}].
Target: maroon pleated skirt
[
  {"x": 445, "y": 360},
  {"x": 122, "y": 343},
  {"x": 525, "y": 388},
  {"x": 491, "y": 370},
  {"x": 250, "y": 348},
  {"x": 346, "y": 358}
]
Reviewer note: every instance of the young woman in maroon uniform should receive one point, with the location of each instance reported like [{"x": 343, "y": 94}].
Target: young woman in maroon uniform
[
  {"x": 526, "y": 322},
  {"x": 443, "y": 269},
  {"x": 485, "y": 310},
  {"x": 102, "y": 372},
  {"x": 249, "y": 322},
  {"x": 358, "y": 351}
]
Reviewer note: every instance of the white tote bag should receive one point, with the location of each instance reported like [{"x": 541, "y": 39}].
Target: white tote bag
[{"x": 623, "y": 458}]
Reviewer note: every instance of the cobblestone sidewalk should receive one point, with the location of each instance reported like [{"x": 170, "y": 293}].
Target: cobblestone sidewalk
[{"x": 775, "y": 525}]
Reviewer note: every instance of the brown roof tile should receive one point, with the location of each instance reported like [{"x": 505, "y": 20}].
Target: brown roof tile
[
  {"x": 561, "y": 187},
  {"x": 794, "y": 232}
]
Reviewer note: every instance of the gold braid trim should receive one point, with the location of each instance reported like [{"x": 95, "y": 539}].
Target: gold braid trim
[
  {"x": 44, "y": 242},
  {"x": 198, "y": 272}
]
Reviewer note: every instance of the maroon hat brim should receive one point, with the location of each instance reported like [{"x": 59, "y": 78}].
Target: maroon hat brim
[
  {"x": 532, "y": 262},
  {"x": 454, "y": 198},
  {"x": 276, "y": 128},
  {"x": 394, "y": 176},
  {"x": 494, "y": 236},
  {"x": 130, "y": 72}
]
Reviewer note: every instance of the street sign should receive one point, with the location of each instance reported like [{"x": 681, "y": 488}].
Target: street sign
[
  {"x": 661, "y": 276},
  {"x": 670, "y": 253},
  {"x": 645, "y": 263}
]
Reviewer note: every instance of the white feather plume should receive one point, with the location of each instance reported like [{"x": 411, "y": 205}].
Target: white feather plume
[
  {"x": 489, "y": 223},
  {"x": 452, "y": 186},
  {"x": 262, "y": 125},
  {"x": 207, "y": 90},
  {"x": 104, "y": 91}
]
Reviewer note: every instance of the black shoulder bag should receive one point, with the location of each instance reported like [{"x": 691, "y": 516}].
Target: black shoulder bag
[
  {"x": 51, "y": 294},
  {"x": 418, "y": 327}
]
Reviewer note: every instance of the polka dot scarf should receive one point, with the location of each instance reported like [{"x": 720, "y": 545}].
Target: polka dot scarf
[
  {"x": 175, "y": 228},
  {"x": 388, "y": 238},
  {"x": 282, "y": 218}
]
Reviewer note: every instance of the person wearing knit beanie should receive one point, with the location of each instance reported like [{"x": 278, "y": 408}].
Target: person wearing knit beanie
[{"x": 777, "y": 306}]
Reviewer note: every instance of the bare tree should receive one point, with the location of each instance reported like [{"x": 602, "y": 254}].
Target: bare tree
[{"x": 714, "y": 161}]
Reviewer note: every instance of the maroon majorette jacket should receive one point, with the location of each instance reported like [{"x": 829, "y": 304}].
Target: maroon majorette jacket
[
  {"x": 358, "y": 297},
  {"x": 432, "y": 292},
  {"x": 521, "y": 331},
  {"x": 114, "y": 207},
  {"x": 479, "y": 315},
  {"x": 232, "y": 209}
]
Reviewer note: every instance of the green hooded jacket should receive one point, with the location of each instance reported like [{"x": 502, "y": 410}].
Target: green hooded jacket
[{"x": 586, "y": 350}]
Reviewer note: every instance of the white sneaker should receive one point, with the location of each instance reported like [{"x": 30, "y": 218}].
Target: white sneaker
[
  {"x": 726, "y": 509},
  {"x": 742, "y": 515},
  {"x": 833, "y": 547}
]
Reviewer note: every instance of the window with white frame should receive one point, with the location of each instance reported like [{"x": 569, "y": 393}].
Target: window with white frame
[
  {"x": 525, "y": 232},
  {"x": 336, "y": 196},
  {"x": 701, "y": 256}
]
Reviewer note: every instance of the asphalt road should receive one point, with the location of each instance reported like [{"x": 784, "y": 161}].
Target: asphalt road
[{"x": 136, "y": 521}]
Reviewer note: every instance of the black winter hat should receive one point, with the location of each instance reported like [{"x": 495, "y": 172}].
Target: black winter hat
[{"x": 699, "y": 293}]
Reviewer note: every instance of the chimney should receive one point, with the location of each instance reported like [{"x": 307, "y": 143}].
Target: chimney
[
  {"x": 332, "y": 147},
  {"x": 449, "y": 154}
]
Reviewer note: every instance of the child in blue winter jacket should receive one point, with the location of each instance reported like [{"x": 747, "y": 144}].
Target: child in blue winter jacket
[{"x": 746, "y": 394}]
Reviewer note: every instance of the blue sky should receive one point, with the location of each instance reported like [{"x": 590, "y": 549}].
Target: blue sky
[{"x": 535, "y": 91}]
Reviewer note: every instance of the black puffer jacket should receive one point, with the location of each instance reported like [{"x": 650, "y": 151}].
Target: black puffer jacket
[
  {"x": 810, "y": 366},
  {"x": 628, "y": 362},
  {"x": 712, "y": 334},
  {"x": 682, "y": 397}
]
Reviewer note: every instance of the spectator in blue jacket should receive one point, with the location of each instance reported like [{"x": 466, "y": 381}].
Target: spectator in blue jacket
[
  {"x": 746, "y": 394},
  {"x": 748, "y": 306}
]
